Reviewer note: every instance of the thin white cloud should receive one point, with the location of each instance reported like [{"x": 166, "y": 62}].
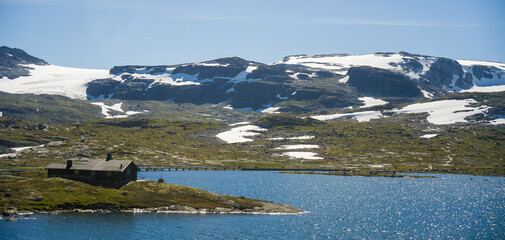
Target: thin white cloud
[{"x": 390, "y": 23}]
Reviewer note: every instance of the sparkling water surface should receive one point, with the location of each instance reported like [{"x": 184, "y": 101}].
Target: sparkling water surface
[{"x": 448, "y": 207}]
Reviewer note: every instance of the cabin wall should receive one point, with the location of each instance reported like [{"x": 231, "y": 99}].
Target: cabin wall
[{"x": 97, "y": 177}]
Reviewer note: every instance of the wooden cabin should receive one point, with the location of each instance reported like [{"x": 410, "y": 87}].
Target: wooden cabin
[{"x": 98, "y": 172}]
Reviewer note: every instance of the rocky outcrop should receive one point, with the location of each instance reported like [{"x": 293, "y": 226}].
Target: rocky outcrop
[
  {"x": 263, "y": 208},
  {"x": 258, "y": 94},
  {"x": 448, "y": 73},
  {"x": 101, "y": 88},
  {"x": 11, "y": 61},
  {"x": 382, "y": 82},
  {"x": 270, "y": 73}
]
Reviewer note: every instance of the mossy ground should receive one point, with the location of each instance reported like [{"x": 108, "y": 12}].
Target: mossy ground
[
  {"x": 32, "y": 191},
  {"x": 391, "y": 144}
]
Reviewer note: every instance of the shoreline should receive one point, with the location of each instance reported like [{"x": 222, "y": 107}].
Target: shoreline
[{"x": 266, "y": 209}]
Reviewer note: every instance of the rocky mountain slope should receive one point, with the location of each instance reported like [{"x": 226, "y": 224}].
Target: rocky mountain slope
[{"x": 296, "y": 83}]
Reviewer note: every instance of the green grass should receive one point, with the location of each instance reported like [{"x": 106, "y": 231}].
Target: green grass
[
  {"x": 62, "y": 194},
  {"x": 393, "y": 143}
]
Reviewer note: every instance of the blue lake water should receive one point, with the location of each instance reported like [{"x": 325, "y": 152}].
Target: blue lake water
[{"x": 449, "y": 207}]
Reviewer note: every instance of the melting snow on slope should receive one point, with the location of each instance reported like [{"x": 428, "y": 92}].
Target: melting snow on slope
[
  {"x": 482, "y": 63},
  {"x": 498, "y": 121},
  {"x": 445, "y": 111},
  {"x": 240, "y": 134},
  {"x": 51, "y": 79},
  {"x": 499, "y": 88},
  {"x": 299, "y": 146},
  {"x": 271, "y": 110},
  {"x": 429, "y": 135},
  {"x": 496, "y": 83},
  {"x": 370, "y": 102},
  {"x": 17, "y": 150},
  {"x": 239, "y": 123},
  {"x": 440, "y": 112},
  {"x": 292, "y": 138},
  {"x": 344, "y": 79},
  {"x": 427, "y": 94},
  {"x": 303, "y": 155},
  {"x": 341, "y": 63},
  {"x": 106, "y": 110},
  {"x": 364, "y": 116}
]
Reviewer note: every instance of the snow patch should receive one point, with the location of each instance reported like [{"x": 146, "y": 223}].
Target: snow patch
[
  {"x": 271, "y": 110},
  {"x": 370, "y": 102},
  {"x": 341, "y": 62},
  {"x": 427, "y": 94},
  {"x": 445, "y": 111},
  {"x": 213, "y": 64},
  {"x": 482, "y": 63},
  {"x": 281, "y": 98},
  {"x": 292, "y": 138},
  {"x": 301, "y": 138},
  {"x": 17, "y": 150},
  {"x": 498, "y": 121},
  {"x": 240, "y": 134},
  {"x": 303, "y": 155},
  {"x": 344, "y": 79},
  {"x": 106, "y": 110},
  {"x": 364, "y": 116},
  {"x": 429, "y": 135},
  {"x": 299, "y": 146},
  {"x": 239, "y": 123},
  {"x": 487, "y": 89}
]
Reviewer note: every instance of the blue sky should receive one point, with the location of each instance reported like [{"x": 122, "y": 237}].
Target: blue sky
[{"x": 105, "y": 33}]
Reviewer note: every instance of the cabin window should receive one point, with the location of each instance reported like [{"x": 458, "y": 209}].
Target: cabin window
[
  {"x": 109, "y": 174},
  {"x": 128, "y": 171},
  {"x": 92, "y": 173},
  {"x": 76, "y": 172}
]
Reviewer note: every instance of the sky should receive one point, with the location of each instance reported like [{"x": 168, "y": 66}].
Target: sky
[{"x": 106, "y": 33}]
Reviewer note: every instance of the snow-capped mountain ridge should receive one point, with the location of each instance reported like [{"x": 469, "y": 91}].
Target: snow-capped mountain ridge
[
  {"x": 414, "y": 66},
  {"x": 321, "y": 81}
]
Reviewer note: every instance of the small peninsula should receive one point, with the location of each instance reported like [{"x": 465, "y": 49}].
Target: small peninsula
[{"x": 28, "y": 192}]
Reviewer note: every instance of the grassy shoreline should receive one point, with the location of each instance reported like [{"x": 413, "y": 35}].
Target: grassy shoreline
[{"x": 31, "y": 191}]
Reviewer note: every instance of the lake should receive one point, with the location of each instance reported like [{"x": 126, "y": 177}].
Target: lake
[{"x": 448, "y": 207}]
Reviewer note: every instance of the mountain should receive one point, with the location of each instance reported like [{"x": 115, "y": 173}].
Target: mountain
[
  {"x": 13, "y": 62},
  {"x": 295, "y": 83},
  {"x": 391, "y": 111}
]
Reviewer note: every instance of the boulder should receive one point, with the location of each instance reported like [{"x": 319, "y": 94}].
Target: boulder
[{"x": 177, "y": 207}]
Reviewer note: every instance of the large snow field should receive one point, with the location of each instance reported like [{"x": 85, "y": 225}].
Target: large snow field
[
  {"x": 51, "y": 79},
  {"x": 445, "y": 111}
]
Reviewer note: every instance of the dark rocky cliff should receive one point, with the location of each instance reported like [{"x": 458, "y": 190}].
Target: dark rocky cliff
[
  {"x": 11, "y": 61},
  {"x": 382, "y": 83}
]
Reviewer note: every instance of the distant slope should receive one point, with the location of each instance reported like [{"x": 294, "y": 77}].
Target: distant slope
[
  {"x": 296, "y": 83},
  {"x": 47, "y": 108}
]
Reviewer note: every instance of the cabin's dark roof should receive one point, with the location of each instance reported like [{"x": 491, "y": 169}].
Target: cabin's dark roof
[{"x": 95, "y": 165}]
